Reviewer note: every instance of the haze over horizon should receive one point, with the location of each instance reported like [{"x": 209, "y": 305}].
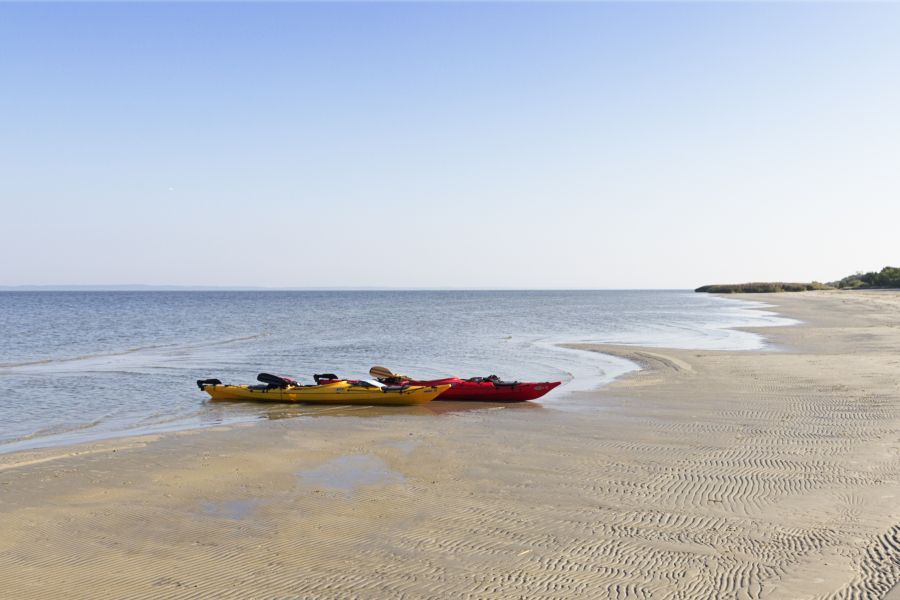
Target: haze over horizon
[{"x": 447, "y": 145}]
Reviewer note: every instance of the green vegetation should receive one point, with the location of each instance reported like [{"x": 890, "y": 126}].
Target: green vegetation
[
  {"x": 888, "y": 277},
  {"x": 762, "y": 287}
]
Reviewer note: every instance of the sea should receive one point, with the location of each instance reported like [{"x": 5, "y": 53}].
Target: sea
[{"x": 84, "y": 366}]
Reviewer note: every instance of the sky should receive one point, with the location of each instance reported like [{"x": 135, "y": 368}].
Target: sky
[{"x": 470, "y": 145}]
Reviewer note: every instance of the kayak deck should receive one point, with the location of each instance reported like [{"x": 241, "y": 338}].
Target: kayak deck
[
  {"x": 488, "y": 391},
  {"x": 339, "y": 392}
]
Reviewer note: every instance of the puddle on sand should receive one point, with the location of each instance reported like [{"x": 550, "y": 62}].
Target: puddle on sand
[
  {"x": 350, "y": 472},
  {"x": 235, "y": 510},
  {"x": 405, "y": 446}
]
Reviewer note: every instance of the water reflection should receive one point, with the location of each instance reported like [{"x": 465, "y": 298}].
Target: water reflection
[
  {"x": 229, "y": 410},
  {"x": 233, "y": 510},
  {"x": 346, "y": 473}
]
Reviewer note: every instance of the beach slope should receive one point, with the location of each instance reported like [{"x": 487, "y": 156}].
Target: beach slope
[{"x": 765, "y": 474}]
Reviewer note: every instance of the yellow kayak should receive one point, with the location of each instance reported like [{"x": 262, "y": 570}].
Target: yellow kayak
[{"x": 338, "y": 392}]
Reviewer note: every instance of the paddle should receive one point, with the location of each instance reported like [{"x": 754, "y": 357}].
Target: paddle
[{"x": 383, "y": 373}]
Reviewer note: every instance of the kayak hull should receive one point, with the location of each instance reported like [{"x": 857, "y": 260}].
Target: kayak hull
[
  {"x": 486, "y": 391},
  {"x": 341, "y": 392}
]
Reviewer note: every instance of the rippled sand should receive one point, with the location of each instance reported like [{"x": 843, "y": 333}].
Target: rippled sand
[{"x": 706, "y": 475}]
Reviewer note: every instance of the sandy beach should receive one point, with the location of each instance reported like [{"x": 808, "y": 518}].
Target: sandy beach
[{"x": 763, "y": 474}]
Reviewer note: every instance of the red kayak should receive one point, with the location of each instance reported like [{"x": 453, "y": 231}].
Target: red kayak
[
  {"x": 490, "y": 389},
  {"x": 484, "y": 389}
]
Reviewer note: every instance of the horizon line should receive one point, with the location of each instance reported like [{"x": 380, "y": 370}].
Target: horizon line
[{"x": 228, "y": 288}]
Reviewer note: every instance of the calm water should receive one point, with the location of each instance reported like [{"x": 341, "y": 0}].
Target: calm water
[{"x": 76, "y": 366}]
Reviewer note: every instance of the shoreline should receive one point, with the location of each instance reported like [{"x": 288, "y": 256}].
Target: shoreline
[
  {"x": 752, "y": 474},
  {"x": 77, "y": 436},
  {"x": 113, "y": 440}
]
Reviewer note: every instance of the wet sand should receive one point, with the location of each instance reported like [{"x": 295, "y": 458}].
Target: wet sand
[{"x": 706, "y": 475}]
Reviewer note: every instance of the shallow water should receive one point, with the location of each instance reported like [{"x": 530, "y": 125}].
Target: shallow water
[
  {"x": 233, "y": 510},
  {"x": 347, "y": 473},
  {"x": 76, "y": 366}
]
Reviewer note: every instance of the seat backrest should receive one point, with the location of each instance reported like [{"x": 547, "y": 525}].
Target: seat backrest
[
  {"x": 278, "y": 381},
  {"x": 202, "y": 383}
]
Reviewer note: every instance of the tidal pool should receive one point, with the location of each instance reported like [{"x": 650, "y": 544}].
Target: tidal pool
[{"x": 348, "y": 473}]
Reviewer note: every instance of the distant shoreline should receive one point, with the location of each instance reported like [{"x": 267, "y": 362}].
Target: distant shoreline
[
  {"x": 886, "y": 279},
  {"x": 767, "y": 287}
]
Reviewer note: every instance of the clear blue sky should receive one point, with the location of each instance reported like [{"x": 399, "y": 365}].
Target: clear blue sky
[{"x": 467, "y": 145}]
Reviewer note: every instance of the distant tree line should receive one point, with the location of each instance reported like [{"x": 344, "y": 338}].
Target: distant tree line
[
  {"x": 888, "y": 277},
  {"x": 760, "y": 287}
]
